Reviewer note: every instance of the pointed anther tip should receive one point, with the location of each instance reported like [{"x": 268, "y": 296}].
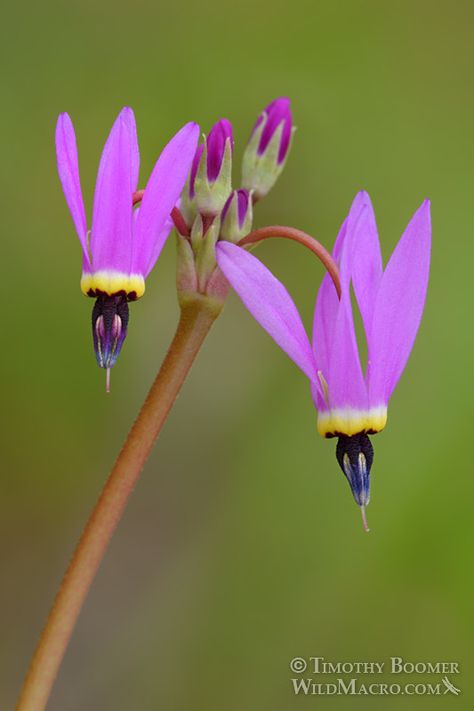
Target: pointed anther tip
[{"x": 364, "y": 519}]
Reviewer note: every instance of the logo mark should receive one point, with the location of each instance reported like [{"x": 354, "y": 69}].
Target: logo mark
[{"x": 450, "y": 688}]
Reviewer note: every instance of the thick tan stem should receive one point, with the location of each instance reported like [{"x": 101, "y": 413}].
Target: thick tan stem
[{"x": 196, "y": 319}]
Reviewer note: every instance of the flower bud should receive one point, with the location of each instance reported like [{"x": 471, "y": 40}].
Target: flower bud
[
  {"x": 268, "y": 147},
  {"x": 237, "y": 216},
  {"x": 211, "y": 172}
]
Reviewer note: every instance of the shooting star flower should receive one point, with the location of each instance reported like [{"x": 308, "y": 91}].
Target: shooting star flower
[
  {"x": 124, "y": 242},
  {"x": 352, "y": 404}
]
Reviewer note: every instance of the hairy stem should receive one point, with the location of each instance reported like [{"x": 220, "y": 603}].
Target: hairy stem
[{"x": 197, "y": 317}]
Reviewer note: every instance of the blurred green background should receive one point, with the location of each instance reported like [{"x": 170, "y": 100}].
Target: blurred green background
[{"x": 242, "y": 547}]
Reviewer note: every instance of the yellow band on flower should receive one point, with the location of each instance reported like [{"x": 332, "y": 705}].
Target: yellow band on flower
[
  {"x": 110, "y": 283},
  {"x": 348, "y": 421}
]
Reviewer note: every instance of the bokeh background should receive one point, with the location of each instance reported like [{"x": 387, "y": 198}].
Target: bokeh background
[{"x": 241, "y": 547}]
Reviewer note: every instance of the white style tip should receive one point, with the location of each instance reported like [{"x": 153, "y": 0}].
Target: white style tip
[{"x": 364, "y": 519}]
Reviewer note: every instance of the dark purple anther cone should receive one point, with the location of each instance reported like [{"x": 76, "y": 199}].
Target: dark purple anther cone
[
  {"x": 109, "y": 328},
  {"x": 277, "y": 111},
  {"x": 355, "y": 455}
]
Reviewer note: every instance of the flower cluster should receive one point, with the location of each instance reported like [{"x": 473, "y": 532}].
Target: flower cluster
[
  {"x": 125, "y": 240},
  {"x": 192, "y": 186},
  {"x": 212, "y": 209}
]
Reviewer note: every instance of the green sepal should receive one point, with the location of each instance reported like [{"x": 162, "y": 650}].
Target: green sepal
[
  {"x": 260, "y": 172},
  {"x": 210, "y": 197},
  {"x": 231, "y": 231}
]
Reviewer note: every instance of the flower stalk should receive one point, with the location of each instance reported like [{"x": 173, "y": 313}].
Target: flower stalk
[
  {"x": 195, "y": 322},
  {"x": 302, "y": 238}
]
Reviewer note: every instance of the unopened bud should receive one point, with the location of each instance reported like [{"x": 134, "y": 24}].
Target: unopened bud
[
  {"x": 268, "y": 148},
  {"x": 237, "y": 216},
  {"x": 211, "y": 172}
]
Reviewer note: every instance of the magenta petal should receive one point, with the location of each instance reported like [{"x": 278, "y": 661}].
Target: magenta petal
[
  {"x": 343, "y": 251},
  {"x": 111, "y": 234},
  {"x": 161, "y": 237},
  {"x": 161, "y": 194},
  {"x": 325, "y": 313},
  {"x": 278, "y": 112},
  {"x": 399, "y": 307},
  {"x": 366, "y": 262},
  {"x": 269, "y": 303},
  {"x": 194, "y": 169},
  {"x": 346, "y": 384},
  {"x": 129, "y": 118},
  {"x": 216, "y": 142},
  {"x": 68, "y": 169},
  {"x": 334, "y": 340},
  {"x": 327, "y": 302}
]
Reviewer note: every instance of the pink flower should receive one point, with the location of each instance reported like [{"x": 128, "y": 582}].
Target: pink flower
[
  {"x": 351, "y": 402},
  {"x": 123, "y": 243}
]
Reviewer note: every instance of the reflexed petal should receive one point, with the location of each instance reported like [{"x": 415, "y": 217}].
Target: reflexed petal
[
  {"x": 68, "y": 169},
  {"x": 269, "y": 303},
  {"x": 344, "y": 247},
  {"x": 327, "y": 302},
  {"x": 346, "y": 384},
  {"x": 129, "y": 118},
  {"x": 334, "y": 340},
  {"x": 366, "y": 266},
  {"x": 111, "y": 234},
  {"x": 327, "y": 305},
  {"x": 319, "y": 396},
  {"x": 399, "y": 307},
  {"x": 160, "y": 240},
  {"x": 161, "y": 194}
]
